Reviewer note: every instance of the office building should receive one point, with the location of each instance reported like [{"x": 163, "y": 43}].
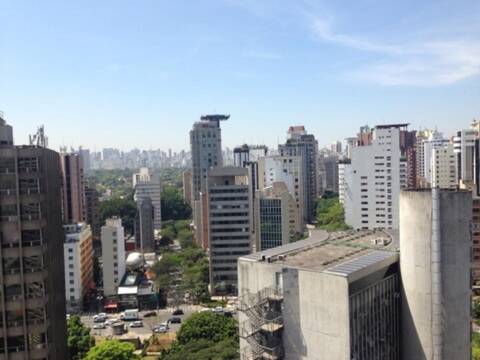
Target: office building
[
  {"x": 320, "y": 298},
  {"x": 370, "y": 184},
  {"x": 435, "y": 263},
  {"x": 148, "y": 185},
  {"x": 442, "y": 168},
  {"x": 113, "y": 255},
  {"x": 328, "y": 163},
  {"x": 78, "y": 259},
  {"x": 144, "y": 226},
  {"x": 206, "y": 148},
  {"x": 73, "y": 187},
  {"x": 92, "y": 215},
  {"x": 229, "y": 225},
  {"x": 352, "y": 295},
  {"x": 464, "y": 147},
  {"x": 278, "y": 219},
  {"x": 299, "y": 143},
  {"x": 435, "y": 140},
  {"x": 31, "y": 236},
  {"x": 187, "y": 187}
]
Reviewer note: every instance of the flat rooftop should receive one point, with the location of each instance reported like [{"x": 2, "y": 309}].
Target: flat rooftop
[{"x": 326, "y": 251}]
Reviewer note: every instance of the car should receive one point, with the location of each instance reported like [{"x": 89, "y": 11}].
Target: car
[
  {"x": 100, "y": 318},
  {"x": 99, "y": 326},
  {"x": 160, "y": 329},
  {"x": 175, "y": 320},
  {"x": 165, "y": 324},
  {"x": 136, "y": 324},
  {"x": 178, "y": 312},
  {"x": 150, "y": 314},
  {"x": 228, "y": 314},
  {"x": 110, "y": 322},
  {"x": 218, "y": 310}
]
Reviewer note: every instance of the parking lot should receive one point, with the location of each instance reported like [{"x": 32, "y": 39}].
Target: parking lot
[{"x": 149, "y": 323}]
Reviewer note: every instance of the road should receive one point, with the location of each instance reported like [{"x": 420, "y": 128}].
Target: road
[{"x": 146, "y": 331}]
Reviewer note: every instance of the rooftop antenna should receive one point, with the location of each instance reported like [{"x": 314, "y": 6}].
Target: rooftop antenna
[{"x": 39, "y": 139}]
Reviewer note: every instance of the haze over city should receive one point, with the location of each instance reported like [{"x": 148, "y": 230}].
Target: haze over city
[{"x": 139, "y": 73}]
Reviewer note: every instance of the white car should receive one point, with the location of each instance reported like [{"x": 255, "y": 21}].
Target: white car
[
  {"x": 99, "y": 326},
  {"x": 111, "y": 322},
  {"x": 136, "y": 324},
  {"x": 100, "y": 318},
  {"x": 218, "y": 310},
  {"x": 160, "y": 329}
]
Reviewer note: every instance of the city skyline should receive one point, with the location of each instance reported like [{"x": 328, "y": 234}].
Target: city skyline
[{"x": 144, "y": 72}]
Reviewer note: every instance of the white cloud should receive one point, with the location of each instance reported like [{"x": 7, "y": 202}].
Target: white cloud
[{"x": 427, "y": 63}]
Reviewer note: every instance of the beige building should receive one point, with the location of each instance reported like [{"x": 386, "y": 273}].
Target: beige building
[
  {"x": 187, "y": 187},
  {"x": 113, "y": 255},
  {"x": 78, "y": 259},
  {"x": 442, "y": 168}
]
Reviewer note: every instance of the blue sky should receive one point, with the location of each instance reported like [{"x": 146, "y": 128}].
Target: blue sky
[{"x": 139, "y": 73}]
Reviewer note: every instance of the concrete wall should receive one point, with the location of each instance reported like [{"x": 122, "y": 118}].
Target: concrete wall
[{"x": 416, "y": 268}]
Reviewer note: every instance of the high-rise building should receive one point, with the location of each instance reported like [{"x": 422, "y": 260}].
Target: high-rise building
[
  {"x": 206, "y": 147},
  {"x": 144, "y": 232},
  {"x": 464, "y": 147},
  {"x": 442, "y": 168},
  {"x": 85, "y": 154},
  {"x": 113, "y": 255},
  {"x": 73, "y": 187},
  {"x": 187, "y": 187},
  {"x": 299, "y": 143},
  {"x": 286, "y": 169},
  {"x": 31, "y": 236},
  {"x": 148, "y": 185},
  {"x": 92, "y": 215},
  {"x": 78, "y": 259},
  {"x": 370, "y": 184},
  {"x": 435, "y": 140},
  {"x": 329, "y": 164},
  {"x": 278, "y": 221},
  {"x": 229, "y": 224},
  {"x": 435, "y": 263}
]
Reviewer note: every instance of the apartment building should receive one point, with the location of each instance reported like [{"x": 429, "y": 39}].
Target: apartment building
[
  {"x": 113, "y": 255},
  {"x": 33, "y": 321},
  {"x": 443, "y": 168},
  {"x": 148, "y": 185},
  {"x": 78, "y": 260},
  {"x": 73, "y": 187}
]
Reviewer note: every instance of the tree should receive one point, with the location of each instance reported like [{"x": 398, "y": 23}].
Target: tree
[
  {"x": 125, "y": 208},
  {"x": 79, "y": 340},
  {"x": 174, "y": 206},
  {"x": 112, "y": 350},
  {"x": 476, "y": 309},
  {"x": 330, "y": 213}
]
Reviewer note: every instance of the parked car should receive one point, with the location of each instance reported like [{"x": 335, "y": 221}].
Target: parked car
[
  {"x": 177, "y": 312},
  {"x": 228, "y": 314},
  {"x": 160, "y": 329},
  {"x": 218, "y": 310},
  {"x": 150, "y": 314},
  {"x": 110, "y": 322},
  {"x": 130, "y": 315},
  {"x": 99, "y": 326},
  {"x": 136, "y": 324},
  {"x": 100, "y": 318},
  {"x": 175, "y": 320}
]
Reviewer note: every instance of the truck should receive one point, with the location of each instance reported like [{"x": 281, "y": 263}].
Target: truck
[{"x": 130, "y": 315}]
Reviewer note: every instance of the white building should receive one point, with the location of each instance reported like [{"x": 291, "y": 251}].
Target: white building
[
  {"x": 149, "y": 185},
  {"x": 435, "y": 140},
  {"x": 113, "y": 255},
  {"x": 464, "y": 147},
  {"x": 442, "y": 168},
  {"x": 78, "y": 260},
  {"x": 370, "y": 185}
]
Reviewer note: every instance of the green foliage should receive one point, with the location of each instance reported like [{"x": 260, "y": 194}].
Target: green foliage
[
  {"x": 185, "y": 237},
  {"x": 112, "y": 350},
  {"x": 205, "y": 336},
  {"x": 476, "y": 309},
  {"x": 125, "y": 208},
  {"x": 330, "y": 213},
  {"x": 169, "y": 232},
  {"x": 174, "y": 206},
  {"x": 475, "y": 346},
  {"x": 79, "y": 340},
  {"x": 172, "y": 177},
  {"x": 119, "y": 181}
]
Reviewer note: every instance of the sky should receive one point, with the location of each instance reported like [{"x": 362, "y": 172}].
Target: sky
[{"x": 125, "y": 74}]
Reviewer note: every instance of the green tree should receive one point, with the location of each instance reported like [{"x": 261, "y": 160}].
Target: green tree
[
  {"x": 174, "y": 206},
  {"x": 112, "y": 350},
  {"x": 125, "y": 208},
  {"x": 476, "y": 309},
  {"x": 330, "y": 213},
  {"x": 475, "y": 346},
  {"x": 79, "y": 340}
]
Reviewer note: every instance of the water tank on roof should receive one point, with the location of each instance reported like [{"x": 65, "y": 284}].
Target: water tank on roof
[{"x": 134, "y": 260}]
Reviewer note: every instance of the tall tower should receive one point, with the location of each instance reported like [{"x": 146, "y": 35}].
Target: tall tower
[
  {"x": 32, "y": 317},
  {"x": 435, "y": 263},
  {"x": 206, "y": 147},
  {"x": 73, "y": 187}
]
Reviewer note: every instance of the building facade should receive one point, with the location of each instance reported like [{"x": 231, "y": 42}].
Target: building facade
[
  {"x": 144, "y": 226},
  {"x": 148, "y": 185},
  {"x": 78, "y": 259},
  {"x": 443, "y": 168},
  {"x": 31, "y": 236},
  {"x": 73, "y": 187},
  {"x": 229, "y": 225},
  {"x": 113, "y": 255}
]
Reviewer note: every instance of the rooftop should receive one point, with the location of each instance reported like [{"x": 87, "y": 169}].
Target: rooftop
[{"x": 336, "y": 252}]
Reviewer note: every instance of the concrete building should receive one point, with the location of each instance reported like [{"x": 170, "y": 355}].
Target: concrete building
[
  {"x": 278, "y": 219},
  {"x": 229, "y": 225},
  {"x": 320, "y": 299},
  {"x": 148, "y": 185},
  {"x": 113, "y": 255},
  {"x": 371, "y": 183},
  {"x": 73, "y": 187},
  {"x": 329, "y": 175},
  {"x": 435, "y": 247},
  {"x": 78, "y": 259},
  {"x": 31, "y": 236},
  {"x": 206, "y": 148},
  {"x": 290, "y": 171},
  {"x": 435, "y": 140},
  {"x": 442, "y": 168},
  {"x": 92, "y": 215},
  {"x": 187, "y": 187},
  {"x": 464, "y": 147},
  {"x": 299, "y": 143}
]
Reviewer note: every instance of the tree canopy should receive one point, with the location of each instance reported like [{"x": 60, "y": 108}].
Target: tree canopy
[
  {"x": 174, "y": 206},
  {"x": 205, "y": 336},
  {"x": 79, "y": 340},
  {"x": 125, "y": 208},
  {"x": 330, "y": 213},
  {"x": 112, "y": 350}
]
